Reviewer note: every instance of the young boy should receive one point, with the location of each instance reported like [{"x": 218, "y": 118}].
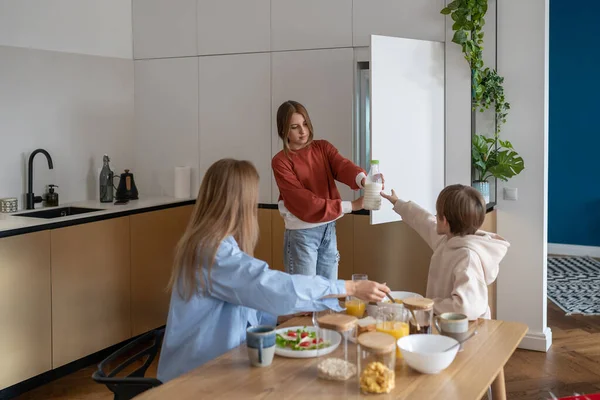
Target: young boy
[{"x": 465, "y": 259}]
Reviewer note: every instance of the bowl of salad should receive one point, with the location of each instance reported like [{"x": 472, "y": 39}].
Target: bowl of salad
[{"x": 305, "y": 342}]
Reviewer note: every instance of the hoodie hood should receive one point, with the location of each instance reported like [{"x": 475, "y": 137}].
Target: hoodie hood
[{"x": 490, "y": 247}]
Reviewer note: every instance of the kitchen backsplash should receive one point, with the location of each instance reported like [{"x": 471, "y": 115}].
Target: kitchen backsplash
[{"x": 75, "y": 106}]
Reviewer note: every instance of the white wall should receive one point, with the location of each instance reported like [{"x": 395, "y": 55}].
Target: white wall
[
  {"x": 95, "y": 27},
  {"x": 77, "y": 107},
  {"x": 166, "y": 123},
  {"x": 228, "y": 126},
  {"x": 311, "y": 61},
  {"x": 523, "y": 61},
  {"x": 458, "y": 112},
  {"x": 323, "y": 81},
  {"x": 66, "y": 85},
  {"x": 401, "y": 18}
]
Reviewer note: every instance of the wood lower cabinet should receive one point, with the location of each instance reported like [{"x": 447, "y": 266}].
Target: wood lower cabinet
[
  {"x": 90, "y": 288},
  {"x": 263, "y": 250},
  {"x": 344, "y": 229},
  {"x": 154, "y": 236},
  {"x": 69, "y": 292},
  {"x": 25, "y": 307},
  {"x": 277, "y": 232},
  {"x": 392, "y": 253}
]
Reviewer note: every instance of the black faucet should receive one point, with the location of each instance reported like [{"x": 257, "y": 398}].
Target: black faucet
[{"x": 29, "y": 197}]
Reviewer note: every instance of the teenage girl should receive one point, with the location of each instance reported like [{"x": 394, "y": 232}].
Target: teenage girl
[{"x": 309, "y": 201}]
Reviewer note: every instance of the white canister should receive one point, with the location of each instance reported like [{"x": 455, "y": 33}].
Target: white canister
[{"x": 183, "y": 181}]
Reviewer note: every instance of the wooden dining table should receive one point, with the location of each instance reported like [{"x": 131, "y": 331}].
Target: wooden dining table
[{"x": 230, "y": 376}]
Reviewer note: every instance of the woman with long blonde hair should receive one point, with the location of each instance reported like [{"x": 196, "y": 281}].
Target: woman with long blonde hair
[{"x": 218, "y": 287}]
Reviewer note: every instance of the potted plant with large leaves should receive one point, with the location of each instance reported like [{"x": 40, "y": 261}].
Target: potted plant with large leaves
[{"x": 493, "y": 157}]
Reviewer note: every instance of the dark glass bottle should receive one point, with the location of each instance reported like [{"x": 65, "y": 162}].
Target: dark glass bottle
[{"x": 106, "y": 182}]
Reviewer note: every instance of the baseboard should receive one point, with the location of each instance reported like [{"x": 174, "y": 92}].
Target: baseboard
[
  {"x": 537, "y": 341},
  {"x": 573, "y": 250}
]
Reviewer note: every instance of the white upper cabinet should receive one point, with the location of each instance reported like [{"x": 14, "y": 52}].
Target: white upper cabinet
[
  {"x": 310, "y": 24},
  {"x": 323, "y": 81},
  {"x": 166, "y": 123},
  {"x": 407, "y": 120},
  {"x": 164, "y": 28},
  {"x": 235, "y": 113},
  {"x": 234, "y": 26},
  {"x": 415, "y": 19}
]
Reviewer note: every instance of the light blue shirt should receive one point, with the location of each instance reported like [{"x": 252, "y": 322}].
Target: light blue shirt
[{"x": 243, "y": 291}]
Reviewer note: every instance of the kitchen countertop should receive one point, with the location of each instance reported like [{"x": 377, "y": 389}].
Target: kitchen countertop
[{"x": 11, "y": 225}]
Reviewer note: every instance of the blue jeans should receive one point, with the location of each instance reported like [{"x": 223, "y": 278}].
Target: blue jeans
[{"x": 311, "y": 251}]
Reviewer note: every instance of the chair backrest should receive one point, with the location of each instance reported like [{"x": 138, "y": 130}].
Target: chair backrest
[{"x": 131, "y": 385}]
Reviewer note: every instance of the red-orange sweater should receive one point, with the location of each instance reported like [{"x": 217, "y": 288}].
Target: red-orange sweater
[{"x": 306, "y": 180}]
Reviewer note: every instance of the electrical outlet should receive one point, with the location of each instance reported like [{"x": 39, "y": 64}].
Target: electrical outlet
[{"x": 511, "y": 194}]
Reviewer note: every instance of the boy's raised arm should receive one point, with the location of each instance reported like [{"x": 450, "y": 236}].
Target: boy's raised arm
[{"x": 420, "y": 220}]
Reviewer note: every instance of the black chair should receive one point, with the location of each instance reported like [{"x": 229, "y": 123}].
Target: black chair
[{"x": 129, "y": 386}]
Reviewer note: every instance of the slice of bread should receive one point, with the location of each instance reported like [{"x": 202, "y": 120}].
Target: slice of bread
[{"x": 366, "y": 325}]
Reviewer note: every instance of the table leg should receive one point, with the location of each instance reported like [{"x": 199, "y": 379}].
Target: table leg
[{"x": 499, "y": 387}]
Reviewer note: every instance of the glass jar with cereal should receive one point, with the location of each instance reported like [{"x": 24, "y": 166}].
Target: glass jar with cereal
[
  {"x": 331, "y": 326},
  {"x": 376, "y": 362}
]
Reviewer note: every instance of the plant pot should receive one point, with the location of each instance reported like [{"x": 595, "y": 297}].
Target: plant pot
[{"x": 483, "y": 187}]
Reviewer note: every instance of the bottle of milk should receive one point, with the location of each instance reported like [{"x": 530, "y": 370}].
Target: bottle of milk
[{"x": 373, "y": 187}]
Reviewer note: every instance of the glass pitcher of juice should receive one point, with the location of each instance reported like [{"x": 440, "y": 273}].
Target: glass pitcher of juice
[
  {"x": 392, "y": 318},
  {"x": 355, "y": 306}
]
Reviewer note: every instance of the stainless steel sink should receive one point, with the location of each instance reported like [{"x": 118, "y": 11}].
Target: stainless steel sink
[{"x": 56, "y": 212}]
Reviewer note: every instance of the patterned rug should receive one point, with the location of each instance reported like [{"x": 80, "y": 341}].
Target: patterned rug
[{"x": 574, "y": 284}]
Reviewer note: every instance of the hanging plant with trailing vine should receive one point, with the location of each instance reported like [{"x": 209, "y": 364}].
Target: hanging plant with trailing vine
[
  {"x": 468, "y": 17},
  {"x": 493, "y": 93},
  {"x": 490, "y": 156}
]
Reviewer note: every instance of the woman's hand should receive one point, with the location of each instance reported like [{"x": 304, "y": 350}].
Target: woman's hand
[
  {"x": 367, "y": 290},
  {"x": 392, "y": 197}
]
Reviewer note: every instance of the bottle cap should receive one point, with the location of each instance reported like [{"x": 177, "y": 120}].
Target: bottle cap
[{"x": 374, "y": 161}]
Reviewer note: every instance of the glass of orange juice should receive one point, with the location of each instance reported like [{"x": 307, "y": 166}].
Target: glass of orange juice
[
  {"x": 355, "y": 306},
  {"x": 392, "y": 318}
]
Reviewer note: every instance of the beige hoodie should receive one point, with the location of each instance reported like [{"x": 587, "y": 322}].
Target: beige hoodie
[{"x": 461, "y": 267}]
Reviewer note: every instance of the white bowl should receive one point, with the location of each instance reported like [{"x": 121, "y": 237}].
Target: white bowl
[
  {"x": 372, "y": 308},
  {"x": 425, "y": 352}
]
